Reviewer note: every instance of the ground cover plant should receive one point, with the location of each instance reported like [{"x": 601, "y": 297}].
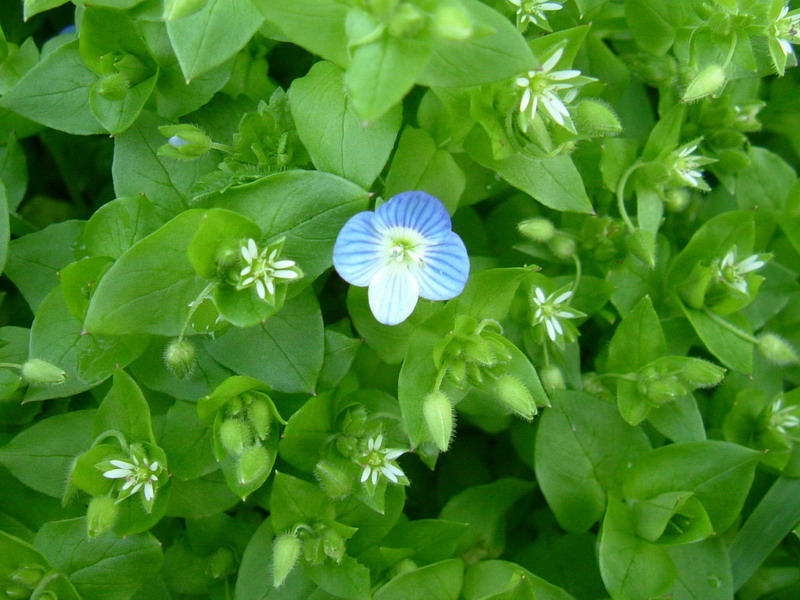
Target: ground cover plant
[{"x": 399, "y": 299}]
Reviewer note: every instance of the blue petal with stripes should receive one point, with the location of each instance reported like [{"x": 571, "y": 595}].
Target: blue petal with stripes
[{"x": 404, "y": 250}]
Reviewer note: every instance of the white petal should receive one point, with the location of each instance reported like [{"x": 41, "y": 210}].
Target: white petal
[
  {"x": 378, "y": 441},
  {"x": 127, "y": 484},
  {"x": 285, "y": 274},
  {"x": 374, "y": 476},
  {"x": 522, "y": 82},
  {"x": 785, "y": 46},
  {"x": 262, "y": 293},
  {"x": 148, "y": 490},
  {"x": 121, "y": 464},
  {"x": 540, "y": 297},
  {"x": 553, "y": 60},
  {"x": 270, "y": 286},
  {"x": 550, "y": 6},
  {"x": 365, "y": 473},
  {"x": 564, "y": 314},
  {"x": 117, "y": 473},
  {"x": 154, "y": 466},
  {"x": 557, "y": 325},
  {"x": 393, "y": 453},
  {"x": 728, "y": 260},
  {"x": 247, "y": 281},
  {"x": 562, "y": 75},
  {"x": 394, "y": 469},
  {"x": 740, "y": 285},
  {"x": 563, "y": 297},
  {"x": 393, "y": 294},
  {"x": 550, "y": 331},
  {"x": 388, "y": 474},
  {"x": 252, "y": 248},
  {"x": 751, "y": 263},
  {"x": 553, "y": 109},
  {"x": 283, "y": 264},
  {"x": 526, "y": 99},
  {"x": 136, "y": 488}
]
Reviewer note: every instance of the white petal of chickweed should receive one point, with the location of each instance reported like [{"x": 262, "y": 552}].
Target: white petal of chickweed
[
  {"x": 538, "y": 314},
  {"x": 262, "y": 293},
  {"x": 246, "y": 255},
  {"x": 563, "y": 297},
  {"x": 393, "y": 294},
  {"x": 522, "y": 82},
  {"x": 393, "y": 453},
  {"x": 137, "y": 487},
  {"x": 148, "y": 490},
  {"x": 127, "y": 484},
  {"x": 122, "y": 464},
  {"x": 117, "y": 473},
  {"x": 516, "y": 2},
  {"x": 374, "y": 476},
  {"x": 557, "y": 325},
  {"x": 740, "y": 285},
  {"x": 419, "y": 211},
  {"x": 358, "y": 253},
  {"x": 388, "y": 474},
  {"x": 285, "y": 274},
  {"x": 445, "y": 271},
  {"x": 552, "y": 108},
  {"x": 526, "y": 99},
  {"x": 246, "y": 270},
  {"x": 553, "y": 60},
  {"x": 751, "y": 263},
  {"x": 534, "y": 107},
  {"x": 786, "y": 46},
  {"x": 562, "y": 75},
  {"x": 564, "y": 314},
  {"x": 270, "y": 286},
  {"x": 247, "y": 281},
  {"x": 283, "y": 264},
  {"x": 378, "y": 441},
  {"x": 540, "y": 297},
  {"x": 728, "y": 260},
  {"x": 154, "y": 466},
  {"x": 394, "y": 469},
  {"x": 550, "y": 331},
  {"x": 365, "y": 473},
  {"x": 251, "y": 246},
  {"x": 551, "y": 6}
]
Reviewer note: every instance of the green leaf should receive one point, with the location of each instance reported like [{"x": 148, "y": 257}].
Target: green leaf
[
  {"x": 348, "y": 579},
  {"x": 55, "y": 93},
  {"x": 34, "y": 7},
  {"x": 729, "y": 348},
  {"x": 340, "y": 351},
  {"x": 704, "y": 571},
  {"x": 139, "y": 169},
  {"x": 419, "y": 165},
  {"x": 5, "y": 232},
  {"x": 15, "y": 552},
  {"x": 306, "y": 432},
  {"x": 766, "y": 182},
  {"x": 13, "y": 171},
  {"x": 40, "y": 456},
  {"x": 125, "y": 409},
  {"x": 335, "y": 137},
  {"x": 201, "y": 497},
  {"x": 654, "y": 24},
  {"x": 637, "y": 341},
  {"x": 35, "y": 259},
  {"x": 118, "y": 225},
  {"x": 432, "y": 540},
  {"x": 149, "y": 288},
  {"x": 104, "y": 568},
  {"x": 499, "y": 55},
  {"x": 187, "y": 442},
  {"x": 582, "y": 450},
  {"x": 501, "y": 580},
  {"x": 719, "y": 474},
  {"x": 439, "y": 581},
  {"x": 286, "y": 351},
  {"x": 555, "y": 182},
  {"x": 213, "y": 34},
  {"x": 296, "y": 501},
  {"x": 632, "y": 568},
  {"x": 307, "y": 207},
  {"x": 88, "y": 359}
]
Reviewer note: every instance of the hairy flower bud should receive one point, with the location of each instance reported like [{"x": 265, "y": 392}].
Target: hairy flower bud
[
  {"x": 185, "y": 142},
  {"x": 777, "y": 350},
  {"x": 438, "y": 414},
  {"x": 537, "y": 229},
  {"x": 252, "y": 464},
  {"x": 515, "y": 394},
  {"x": 333, "y": 544},
  {"x": 452, "y": 22},
  {"x": 563, "y": 246},
  {"x": 701, "y": 373},
  {"x": 179, "y": 357},
  {"x": 334, "y": 480},
  {"x": 677, "y": 199},
  {"x": 259, "y": 414},
  {"x": 285, "y": 552},
  {"x": 113, "y": 87},
  {"x": 235, "y": 436},
  {"x": 40, "y": 372},
  {"x": 594, "y": 117},
  {"x": 552, "y": 378},
  {"x": 101, "y": 515},
  {"x": 706, "y": 82}
]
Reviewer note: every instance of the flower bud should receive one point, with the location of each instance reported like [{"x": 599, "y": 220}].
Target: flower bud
[
  {"x": 453, "y": 23},
  {"x": 514, "y": 393},
  {"x": 439, "y": 418},
  {"x": 406, "y": 21},
  {"x": 701, "y": 373},
  {"x": 40, "y": 372},
  {"x": 28, "y": 575},
  {"x": 179, "y": 357},
  {"x": 185, "y": 142},
  {"x": 552, "y": 378},
  {"x": 334, "y": 480},
  {"x": 285, "y": 552},
  {"x": 221, "y": 563},
  {"x": 594, "y": 117},
  {"x": 538, "y": 229},
  {"x": 101, "y": 515},
  {"x": 666, "y": 389},
  {"x": 677, "y": 199},
  {"x": 777, "y": 350},
  {"x": 354, "y": 421},
  {"x": 175, "y": 9},
  {"x": 708, "y": 81},
  {"x": 253, "y": 463},
  {"x": 456, "y": 371},
  {"x": 333, "y": 544},
  {"x": 313, "y": 552},
  {"x": 404, "y": 566},
  {"x": 259, "y": 414},
  {"x": 479, "y": 351},
  {"x": 235, "y": 436},
  {"x": 563, "y": 246},
  {"x": 113, "y": 87}
]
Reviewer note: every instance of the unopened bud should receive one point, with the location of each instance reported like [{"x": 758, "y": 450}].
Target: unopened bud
[
  {"x": 184, "y": 142},
  {"x": 667, "y": 389},
  {"x": 538, "y": 229},
  {"x": 179, "y": 357},
  {"x": 335, "y": 481},
  {"x": 259, "y": 414},
  {"x": 563, "y": 246},
  {"x": 175, "y": 9},
  {"x": 333, "y": 544},
  {"x": 313, "y": 552},
  {"x": 453, "y": 23},
  {"x": 552, "y": 378},
  {"x": 594, "y": 117},
  {"x": 438, "y": 414},
  {"x": 677, "y": 199},
  {"x": 235, "y": 436},
  {"x": 777, "y": 350},
  {"x": 404, "y": 566},
  {"x": 708, "y": 81},
  {"x": 456, "y": 371},
  {"x": 101, "y": 515},
  {"x": 407, "y": 20},
  {"x": 479, "y": 351},
  {"x": 221, "y": 563},
  {"x": 285, "y": 552},
  {"x": 515, "y": 394},
  {"x": 40, "y": 372},
  {"x": 701, "y": 373},
  {"x": 113, "y": 87},
  {"x": 252, "y": 464}
]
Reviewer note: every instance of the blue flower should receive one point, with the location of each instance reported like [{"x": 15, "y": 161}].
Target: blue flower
[{"x": 403, "y": 250}]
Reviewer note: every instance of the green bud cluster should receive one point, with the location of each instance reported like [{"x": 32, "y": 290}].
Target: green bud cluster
[
  {"x": 241, "y": 430},
  {"x": 101, "y": 515},
  {"x": 672, "y": 377}
]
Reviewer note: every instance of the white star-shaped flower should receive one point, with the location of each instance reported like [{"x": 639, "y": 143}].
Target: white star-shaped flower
[
  {"x": 551, "y": 309},
  {"x": 261, "y": 269},
  {"x": 734, "y": 273},
  {"x": 139, "y": 474},
  {"x": 533, "y": 11},
  {"x": 378, "y": 461},
  {"x": 786, "y": 30}
]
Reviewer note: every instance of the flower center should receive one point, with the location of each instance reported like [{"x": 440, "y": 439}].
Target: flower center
[{"x": 405, "y": 248}]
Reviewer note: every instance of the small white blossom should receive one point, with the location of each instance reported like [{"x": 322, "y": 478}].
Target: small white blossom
[
  {"x": 139, "y": 474},
  {"x": 786, "y": 29},
  {"x": 550, "y": 89},
  {"x": 734, "y": 273},
  {"x": 685, "y": 166},
  {"x": 533, "y": 11},
  {"x": 261, "y": 268},
  {"x": 784, "y": 418},
  {"x": 550, "y": 309},
  {"x": 377, "y": 461}
]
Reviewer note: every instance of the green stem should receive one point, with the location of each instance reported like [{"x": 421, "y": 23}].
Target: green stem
[
  {"x": 578, "y": 274},
  {"x": 621, "y": 194},
  {"x": 223, "y": 147},
  {"x": 730, "y": 326},
  {"x": 112, "y": 433},
  {"x": 440, "y": 375},
  {"x": 10, "y": 366},
  {"x": 205, "y": 293}
]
